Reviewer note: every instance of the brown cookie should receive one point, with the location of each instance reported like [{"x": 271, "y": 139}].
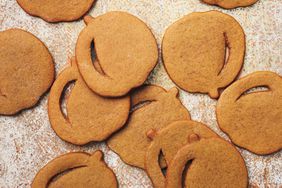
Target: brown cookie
[
  {"x": 253, "y": 120},
  {"x": 214, "y": 163},
  {"x": 196, "y": 47},
  {"x": 230, "y": 4},
  {"x": 126, "y": 51},
  {"x": 26, "y": 73},
  {"x": 54, "y": 11},
  {"x": 90, "y": 117},
  {"x": 168, "y": 141},
  {"x": 79, "y": 170},
  {"x": 161, "y": 108}
]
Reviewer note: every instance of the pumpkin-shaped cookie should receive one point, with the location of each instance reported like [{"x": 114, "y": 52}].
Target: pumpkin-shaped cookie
[
  {"x": 79, "y": 170},
  {"x": 26, "y": 73},
  {"x": 203, "y": 52},
  {"x": 229, "y": 4},
  {"x": 161, "y": 108},
  {"x": 168, "y": 141},
  {"x": 126, "y": 52},
  {"x": 253, "y": 120},
  {"x": 56, "y": 11},
  {"x": 214, "y": 163},
  {"x": 90, "y": 117}
]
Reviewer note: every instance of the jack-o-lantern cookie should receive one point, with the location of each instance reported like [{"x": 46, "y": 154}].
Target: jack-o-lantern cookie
[
  {"x": 204, "y": 51},
  {"x": 90, "y": 117},
  {"x": 158, "y": 108},
  {"x": 229, "y": 4},
  {"x": 253, "y": 120},
  {"x": 79, "y": 170},
  {"x": 168, "y": 141},
  {"x": 214, "y": 163},
  {"x": 26, "y": 70},
  {"x": 126, "y": 52},
  {"x": 56, "y": 11}
]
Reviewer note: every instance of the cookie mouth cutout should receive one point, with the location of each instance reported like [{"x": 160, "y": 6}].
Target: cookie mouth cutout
[
  {"x": 186, "y": 171},
  {"x": 64, "y": 97},
  {"x": 226, "y": 54},
  {"x": 95, "y": 60},
  {"x": 141, "y": 104},
  {"x": 61, "y": 174},
  {"x": 254, "y": 90}
]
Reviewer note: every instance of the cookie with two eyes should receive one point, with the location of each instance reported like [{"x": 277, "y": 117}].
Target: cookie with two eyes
[
  {"x": 204, "y": 51},
  {"x": 77, "y": 169},
  {"x": 90, "y": 117},
  {"x": 253, "y": 119},
  {"x": 152, "y": 108}
]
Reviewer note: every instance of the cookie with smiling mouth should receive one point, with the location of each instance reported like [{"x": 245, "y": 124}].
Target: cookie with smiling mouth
[
  {"x": 54, "y": 11},
  {"x": 125, "y": 50},
  {"x": 168, "y": 141},
  {"x": 203, "y": 52},
  {"x": 76, "y": 169},
  {"x": 152, "y": 108},
  {"x": 213, "y": 163},
  {"x": 253, "y": 120},
  {"x": 90, "y": 117}
]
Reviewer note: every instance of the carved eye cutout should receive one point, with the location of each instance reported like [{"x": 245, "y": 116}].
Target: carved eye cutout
[
  {"x": 230, "y": 4},
  {"x": 164, "y": 107},
  {"x": 204, "y": 52},
  {"x": 167, "y": 142},
  {"x": 64, "y": 97},
  {"x": 76, "y": 170},
  {"x": 214, "y": 162},
  {"x": 255, "y": 90},
  {"x": 87, "y": 114},
  {"x": 56, "y": 11},
  {"x": 125, "y": 49},
  {"x": 250, "y": 112}
]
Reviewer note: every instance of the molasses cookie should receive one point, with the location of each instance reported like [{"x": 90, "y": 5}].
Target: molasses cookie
[
  {"x": 78, "y": 170},
  {"x": 56, "y": 11},
  {"x": 203, "y": 52},
  {"x": 90, "y": 117},
  {"x": 125, "y": 49},
  {"x": 157, "y": 109},
  {"x": 26, "y": 73},
  {"x": 168, "y": 141},
  {"x": 229, "y": 4},
  {"x": 253, "y": 120},
  {"x": 213, "y": 163}
]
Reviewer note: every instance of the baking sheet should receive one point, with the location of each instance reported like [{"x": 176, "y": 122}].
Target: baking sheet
[{"x": 27, "y": 141}]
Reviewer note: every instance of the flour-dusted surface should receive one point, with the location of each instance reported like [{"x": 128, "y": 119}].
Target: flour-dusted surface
[{"x": 27, "y": 141}]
